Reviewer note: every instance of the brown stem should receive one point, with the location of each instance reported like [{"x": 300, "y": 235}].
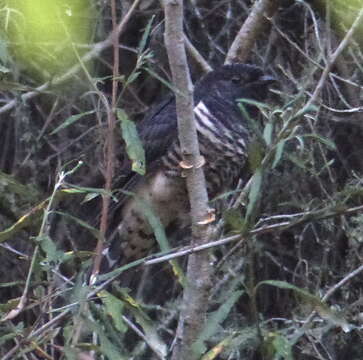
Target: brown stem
[
  {"x": 195, "y": 297},
  {"x": 110, "y": 144},
  {"x": 251, "y": 30}
]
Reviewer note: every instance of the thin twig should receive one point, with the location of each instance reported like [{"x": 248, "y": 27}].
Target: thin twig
[
  {"x": 110, "y": 147},
  {"x": 331, "y": 60}
]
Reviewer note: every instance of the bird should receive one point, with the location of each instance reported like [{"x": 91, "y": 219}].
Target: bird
[{"x": 223, "y": 135}]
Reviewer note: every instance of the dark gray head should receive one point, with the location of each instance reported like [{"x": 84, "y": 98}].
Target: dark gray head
[{"x": 233, "y": 82}]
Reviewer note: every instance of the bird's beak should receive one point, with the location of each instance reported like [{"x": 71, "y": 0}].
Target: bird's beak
[{"x": 267, "y": 79}]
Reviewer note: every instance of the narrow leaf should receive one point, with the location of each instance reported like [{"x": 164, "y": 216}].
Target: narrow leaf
[
  {"x": 282, "y": 347},
  {"x": 145, "y": 35},
  {"x": 305, "y": 110},
  {"x": 254, "y": 193},
  {"x": 278, "y": 153},
  {"x": 267, "y": 133},
  {"x": 214, "y": 321},
  {"x": 327, "y": 142},
  {"x": 114, "y": 308},
  {"x": 134, "y": 148},
  {"x": 106, "y": 346},
  {"x": 321, "y": 307},
  {"x": 53, "y": 255},
  {"x": 69, "y": 121},
  {"x": 160, "y": 235}
]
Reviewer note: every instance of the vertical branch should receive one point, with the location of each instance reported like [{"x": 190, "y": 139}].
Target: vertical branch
[
  {"x": 195, "y": 297},
  {"x": 250, "y": 30},
  {"x": 110, "y": 144}
]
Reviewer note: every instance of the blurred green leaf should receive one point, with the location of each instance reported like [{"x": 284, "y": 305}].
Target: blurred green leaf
[
  {"x": 254, "y": 103},
  {"x": 267, "y": 133},
  {"x": 53, "y": 255},
  {"x": 145, "y": 36},
  {"x": 106, "y": 346},
  {"x": 214, "y": 321},
  {"x": 168, "y": 84},
  {"x": 327, "y": 142},
  {"x": 160, "y": 235},
  {"x": 114, "y": 308},
  {"x": 278, "y": 153},
  {"x": 70, "y": 120},
  {"x": 255, "y": 154},
  {"x": 321, "y": 307},
  {"x": 305, "y": 110},
  {"x": 283, "y": 349},
  {"x": 134, "y": 147},
  {"x": 254, "y": 193},
  {"x": 91, "y": 229},
  {"x": 276, "y": 347},
  {"x": 233, "y": 218}
]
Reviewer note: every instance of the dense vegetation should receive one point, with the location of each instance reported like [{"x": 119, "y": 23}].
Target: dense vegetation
[{"x": 287, "y": 285}]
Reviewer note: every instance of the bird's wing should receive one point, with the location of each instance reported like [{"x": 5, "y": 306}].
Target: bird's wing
[{"x": 158, "y": 130}]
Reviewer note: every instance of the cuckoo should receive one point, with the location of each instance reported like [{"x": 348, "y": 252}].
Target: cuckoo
[{"x": 223, "y": 135}]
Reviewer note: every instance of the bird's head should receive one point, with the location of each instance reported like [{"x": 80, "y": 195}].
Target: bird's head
[{"x": 236, "y": 81}]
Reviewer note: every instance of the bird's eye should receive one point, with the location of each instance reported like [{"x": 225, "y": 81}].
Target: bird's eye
[{"x": 236, "y": 79}]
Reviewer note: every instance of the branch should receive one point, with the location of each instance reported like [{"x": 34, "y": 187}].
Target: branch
[
  {"x": 333, "y": 58},
  {"x": 109, "y": 144},
  {"x": 251, "y": 30},
  {"x": 196, "y": 293},
  {"x": 197, "y": 56}
]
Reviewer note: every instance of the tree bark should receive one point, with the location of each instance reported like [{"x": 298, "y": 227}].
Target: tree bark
[{"x": 196, "y": 292}]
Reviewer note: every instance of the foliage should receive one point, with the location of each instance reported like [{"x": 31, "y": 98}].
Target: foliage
[{"x": 289, "y": 285}]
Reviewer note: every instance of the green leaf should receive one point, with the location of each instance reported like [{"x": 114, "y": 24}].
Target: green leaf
[
  {"x": 278, "y": 153},
  {"x": 255, "y": 154},
  {"x": 160, "y": 235},
  {"x": 214, "y": 321},
  {"x": 69, "y": 121},
  {"x": 132, "y": 77},
  {"x": 75, "y": 189},
  {"x": 53, "y": 255},
  {"x": 305, "y": 110},
  {"x": 114, "y": 308},
  {"x": 252, "y": 123},
  {"x": 321, "y": 307},
  {"x": 106, "y": 346},
  {"x": 283, "y": 348},
  {"x": 145, "y": 35},
  {"x": 134, "y": 148},
  {"x": 327, "y": 142},
  {"x": 267, "y": 133},
  {"x": 168, "y": 84},
  {"x": 312, "y": 299},
  {"x": 233, "y": 218},
  {"x": 277, "y": 347},
  {"x": 148, "y": 326},
  {"x": 254, "y": 103},
  {"x": 91, "y": 229},
  {"x": 119, "y": 270},
  {"x": 254, "y": 194}
]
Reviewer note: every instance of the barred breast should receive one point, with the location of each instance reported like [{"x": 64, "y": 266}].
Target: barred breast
[{"x": 222, "y": 142}]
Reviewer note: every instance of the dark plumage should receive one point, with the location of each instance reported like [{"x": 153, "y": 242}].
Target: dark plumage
[{"x": 223, "y": 137}]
